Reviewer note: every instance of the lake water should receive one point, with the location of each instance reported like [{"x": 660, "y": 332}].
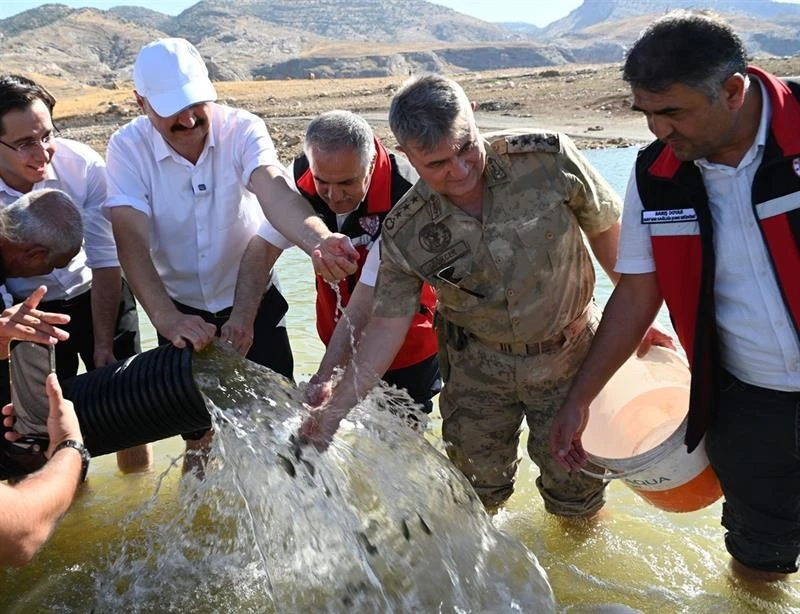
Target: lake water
[{"x": 633, "y": 556}]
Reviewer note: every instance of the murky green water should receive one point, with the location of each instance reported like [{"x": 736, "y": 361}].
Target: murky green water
[{"x": 634, "y": 555}]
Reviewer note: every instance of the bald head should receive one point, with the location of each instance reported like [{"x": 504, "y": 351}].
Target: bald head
[{"x": 40, "y": 230}]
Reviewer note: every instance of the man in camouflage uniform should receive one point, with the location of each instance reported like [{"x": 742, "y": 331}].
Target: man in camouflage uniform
[{"x": 495, "y": 226}]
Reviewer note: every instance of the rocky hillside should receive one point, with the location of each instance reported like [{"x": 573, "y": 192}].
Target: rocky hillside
[{"x": 278, "y": 39}]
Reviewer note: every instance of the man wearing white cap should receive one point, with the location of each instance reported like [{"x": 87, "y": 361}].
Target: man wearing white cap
[{"x": 185, "y": 183}]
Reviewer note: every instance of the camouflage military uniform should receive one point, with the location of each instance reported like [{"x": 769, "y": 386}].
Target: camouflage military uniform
[{"x": 515, "y": 305}]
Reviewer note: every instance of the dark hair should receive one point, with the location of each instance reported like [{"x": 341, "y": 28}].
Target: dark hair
[
  {"x": 697, "y": 49},
  {"x": 18, "y": 93}
]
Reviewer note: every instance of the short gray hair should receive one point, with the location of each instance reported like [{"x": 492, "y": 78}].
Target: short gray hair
[
  {"x": 44, "y": 217},
  {"x": 693, "y": 48},
  {"x": 425, "y": 109},
  {"x": 333, "y": 131}
]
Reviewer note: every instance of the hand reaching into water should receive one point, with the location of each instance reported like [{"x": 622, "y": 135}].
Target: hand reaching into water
[
  {"x": 318, "y": 390},
  {"x": 318, "y": 429}
]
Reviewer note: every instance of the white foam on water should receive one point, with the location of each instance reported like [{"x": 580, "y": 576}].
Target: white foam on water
[{"x": 379, "y": 522}]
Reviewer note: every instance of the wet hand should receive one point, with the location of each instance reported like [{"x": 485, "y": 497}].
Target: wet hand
[
  {"x": 335, "y": 257},
  {"x": 180, "y": 328},
  {"x": 24, "y": 321},
  {"x": 565, "y": 436},
  {"x": 318, "y": 429},
  {"x": 655, "y": 335},
  {"x": 318, "y": 390},
  {"x": 237, "y": 333}
]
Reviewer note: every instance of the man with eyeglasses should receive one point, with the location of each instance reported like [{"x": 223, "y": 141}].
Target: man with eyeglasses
[
  {"x": 104, "y": 324},
  {"x": 496, "y": 226},
  {"x": 352, "y": 181}
]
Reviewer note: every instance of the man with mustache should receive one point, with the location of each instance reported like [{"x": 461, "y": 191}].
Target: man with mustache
[{"x": 185, "y": 183}]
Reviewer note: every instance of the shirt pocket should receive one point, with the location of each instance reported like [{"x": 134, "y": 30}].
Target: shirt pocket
[
  {"x": 537, "y": 244},
  {"x": 232, "y": 202}
]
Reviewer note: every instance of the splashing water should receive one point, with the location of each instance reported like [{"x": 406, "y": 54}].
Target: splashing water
[{"x": 379, "y": 522}]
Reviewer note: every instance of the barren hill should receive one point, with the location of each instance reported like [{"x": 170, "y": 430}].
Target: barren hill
[{"x": 256, "y": 39}]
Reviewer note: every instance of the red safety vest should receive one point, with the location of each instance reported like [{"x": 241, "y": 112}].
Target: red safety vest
[
  {"x": 386, "y": 187},
  {"x": 677, "y": 212}
]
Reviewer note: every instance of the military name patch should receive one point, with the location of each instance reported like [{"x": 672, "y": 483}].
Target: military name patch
[
  {"x": 665, "y": 216},
  {"x": 435, "y": 237},
  {"x": 447, "y": 257}
]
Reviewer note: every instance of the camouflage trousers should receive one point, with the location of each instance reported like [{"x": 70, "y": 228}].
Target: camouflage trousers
[{"x": 483, "y": 404}]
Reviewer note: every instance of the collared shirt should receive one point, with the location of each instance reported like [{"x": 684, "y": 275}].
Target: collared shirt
[
  {"x": 522, "y": 272},
  {"x": 756, "y": 334},
  {"x": 202, "y": 215},
  {"x": 79, "y": 171}
]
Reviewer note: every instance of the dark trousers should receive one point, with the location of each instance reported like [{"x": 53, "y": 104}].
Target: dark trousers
[
  {"x": 422, "y": 381},
  {"x": 754, "y": 448},
  {"x": 271, "y": 346},
  {"x": 81, "y": 335}
]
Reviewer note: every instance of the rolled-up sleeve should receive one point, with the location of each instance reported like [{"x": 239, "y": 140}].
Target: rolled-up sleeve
[
  {"x": 259, "y": 150},
  {"x": 125, "y": 184}
]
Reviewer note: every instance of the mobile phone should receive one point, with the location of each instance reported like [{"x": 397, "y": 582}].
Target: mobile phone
[{"x": 30, "y": 364}]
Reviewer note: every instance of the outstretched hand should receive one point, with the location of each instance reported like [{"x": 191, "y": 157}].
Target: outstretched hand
[{"x": 24, "y": 321}]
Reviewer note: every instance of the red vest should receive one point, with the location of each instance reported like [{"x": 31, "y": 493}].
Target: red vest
[
  {"x": 388, "y": 184},
  {"x": 676, "y": 209}
]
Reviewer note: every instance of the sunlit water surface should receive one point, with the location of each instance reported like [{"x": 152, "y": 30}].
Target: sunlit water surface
[{"x": 155, "y": 542}]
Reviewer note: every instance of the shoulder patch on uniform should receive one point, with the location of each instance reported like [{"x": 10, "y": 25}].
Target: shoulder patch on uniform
[
  {"x": 533, "y": 142},
  {"x": 405, "y": 208}
]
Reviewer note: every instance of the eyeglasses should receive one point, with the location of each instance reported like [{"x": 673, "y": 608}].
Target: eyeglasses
[
  {"x": 28, "y": 147},
  {"x": 446, "y": 275}
]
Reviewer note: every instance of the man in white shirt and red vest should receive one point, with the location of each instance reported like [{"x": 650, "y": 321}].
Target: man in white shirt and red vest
[
  {"x": 711, "y": 225},
  {"x": 185, "y": 183},
  {"x": 352, "y": 181},
  {"x": 104, "y": 325}
]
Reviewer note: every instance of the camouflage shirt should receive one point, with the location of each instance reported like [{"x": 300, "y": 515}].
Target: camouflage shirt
[{"x": 522, "y": 272}]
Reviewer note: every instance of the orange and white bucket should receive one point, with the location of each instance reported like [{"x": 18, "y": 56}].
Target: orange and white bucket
[{"x": 636, "y": 430}]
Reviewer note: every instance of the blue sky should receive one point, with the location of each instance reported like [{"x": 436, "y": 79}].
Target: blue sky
[{"x": 540, "y": 12}]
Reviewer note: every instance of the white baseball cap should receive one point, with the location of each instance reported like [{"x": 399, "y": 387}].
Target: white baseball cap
[{"x": 172, "y": 76}]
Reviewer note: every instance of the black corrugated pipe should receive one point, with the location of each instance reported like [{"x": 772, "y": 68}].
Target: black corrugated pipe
[{"x": 146, "y": 398}]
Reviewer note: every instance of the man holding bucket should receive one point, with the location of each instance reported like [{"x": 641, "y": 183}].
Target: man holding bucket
[
  {"x": 711, "y": 225},
  {"x": 496, "y": 227}
]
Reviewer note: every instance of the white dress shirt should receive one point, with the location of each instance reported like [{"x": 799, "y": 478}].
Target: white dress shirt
[
  {"x": 202, "y": 215},
  {"x": 757, "y": 338},
  {"x": 79, "y": 171}
]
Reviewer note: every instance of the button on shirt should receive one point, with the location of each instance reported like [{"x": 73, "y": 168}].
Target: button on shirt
[
  {"x": 79, "y": 171},
  {"x": 202, "y": 215},
  {"x": 756, "y": 335},
  {"x": 522, "y": 272}
]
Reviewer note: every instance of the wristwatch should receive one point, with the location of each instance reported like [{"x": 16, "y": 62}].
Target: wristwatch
[{"x": 85, "y": 456}]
